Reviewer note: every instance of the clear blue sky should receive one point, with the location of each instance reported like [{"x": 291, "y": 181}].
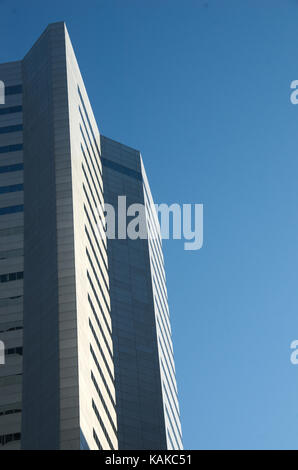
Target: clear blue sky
[{"x": 202, "y": 87}]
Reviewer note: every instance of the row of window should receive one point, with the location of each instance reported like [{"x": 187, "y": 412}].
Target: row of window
[
  {"x": 13, "y": 90},
  {"x": 11, "y": 110},
  {"x": 93, "y": 233},
  {"x": 11, "y": 188},
  {"x": 171, "y": 427},
  {"x": 98, "y": 303},
  {"x": 155, "y": 221},
  {"x": 101, "y": 254},
  {"x": 100, "y": 327},
  {"x": 102, "y": 376},
  {"x": 170, "y": 439},
  {"x": 165, "y": 338},
  {"x": 163, "y": 304},
  {"x": 168, "y": 398},
  {"x": 13, "y": 328},
  {"x": 103, "y": 403},
  {"x": 96, "y": 176},
  {"x": 101, "y": 351},
  {"x": 95, "y": 203},
  {"x": 169, "y": 387},
  {"x": 169, "y": 364},
  {"x": 102, "y": 425},
  {"x": 165, "y": 323},
  {"x": 9, "y": 129},
  {"x": 94, "y": 153},
  {"x": 156, "y": 272},
  {"x": 11, "y": 148},
  {"x": 10, "y": 412},
  {"x": 98, "y": 281},
  {"x": 12, "y": 276},
  {"x": 9, "y": 168},
  {"x": 11, "y": 209},
  {"x": 97, "y": 440},
  {"x": 18, "y": 350},
  {"x": 90, "y": 207},
  {"x": 91, "y": 192},
  {"x": 156, "y": 249},
  {"x": 6, "y": 438},
  {"x": 121, "y": 169},
  {"x": 100, "y": 199},
  {"x": 170, "y": 375},
  {"x": 91, "y": 160},
  {"x": 85, "y": 110}
]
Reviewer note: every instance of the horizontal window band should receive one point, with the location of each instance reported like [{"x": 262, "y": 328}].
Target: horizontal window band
[
  {"x": 97, "y": 440},
  {"x": 11, "y": 110},
  {"x": 101, "y": 351},
  {"x": 9, "y": 168},
  {"x": 12, "y": 276},
  {"x": 10, "y": 411},
  {"x": 11, "y": 328},
  {"x": 102, "y": 377},
  {"x": 11, "y": 189},
  {"x": 9, "y": 129},
  {"x": 84, "y": 107},
  {"x": 10, "y": 406},
  {"x": 18, "y": 350},
  {"x": 6, "y": 438},
  {"x": 11, "y": 209},
  {"x": 104, "y": 429},
  {"x": 11, "y": 148},
  {"x": 13, "y": 90},
  {"x": 121, "y": 169}
]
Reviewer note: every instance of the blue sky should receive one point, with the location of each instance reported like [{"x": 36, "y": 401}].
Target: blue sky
[{"x": 202, "y": 88}]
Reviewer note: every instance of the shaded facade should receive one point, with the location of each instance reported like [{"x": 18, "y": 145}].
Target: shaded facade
[
  {"x": 146, "y": 390},
  {"x": 11, "y": 254}
]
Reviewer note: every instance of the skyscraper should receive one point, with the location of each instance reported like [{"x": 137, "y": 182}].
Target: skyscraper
[
  {"x": 84, "y": 319},
  {"x": 146, "y": 390}
]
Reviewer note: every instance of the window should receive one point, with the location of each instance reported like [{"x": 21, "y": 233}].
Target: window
[
  {"x": 11, "y": 109},
  {"x": 102, "y": 425},
  {"x": 12, "y": 276},
  {"x": 6, "y": 438},
  {"x": 11, "y": 148},
  {"x": 8, "y": 168},
  {"x": 11, "y": 209},
  {"x": 8, "y": 129},
  {"x": 13, "y": 90},
  {"x": 12, "y": 188},
  {"x": 97, "y": 440}
]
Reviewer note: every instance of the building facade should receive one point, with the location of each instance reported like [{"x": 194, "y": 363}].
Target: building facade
[
  {"x": 146, "y": 390},
  {"x": 85, "y": 321}
]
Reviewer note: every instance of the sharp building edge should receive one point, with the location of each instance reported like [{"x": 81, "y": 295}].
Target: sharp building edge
[{"x": 85, "y": 321}]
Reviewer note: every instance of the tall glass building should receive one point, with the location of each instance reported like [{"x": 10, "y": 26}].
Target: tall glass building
[
  {"x": 84, "y": 318},
  {"x": 146, "y": 390}
]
